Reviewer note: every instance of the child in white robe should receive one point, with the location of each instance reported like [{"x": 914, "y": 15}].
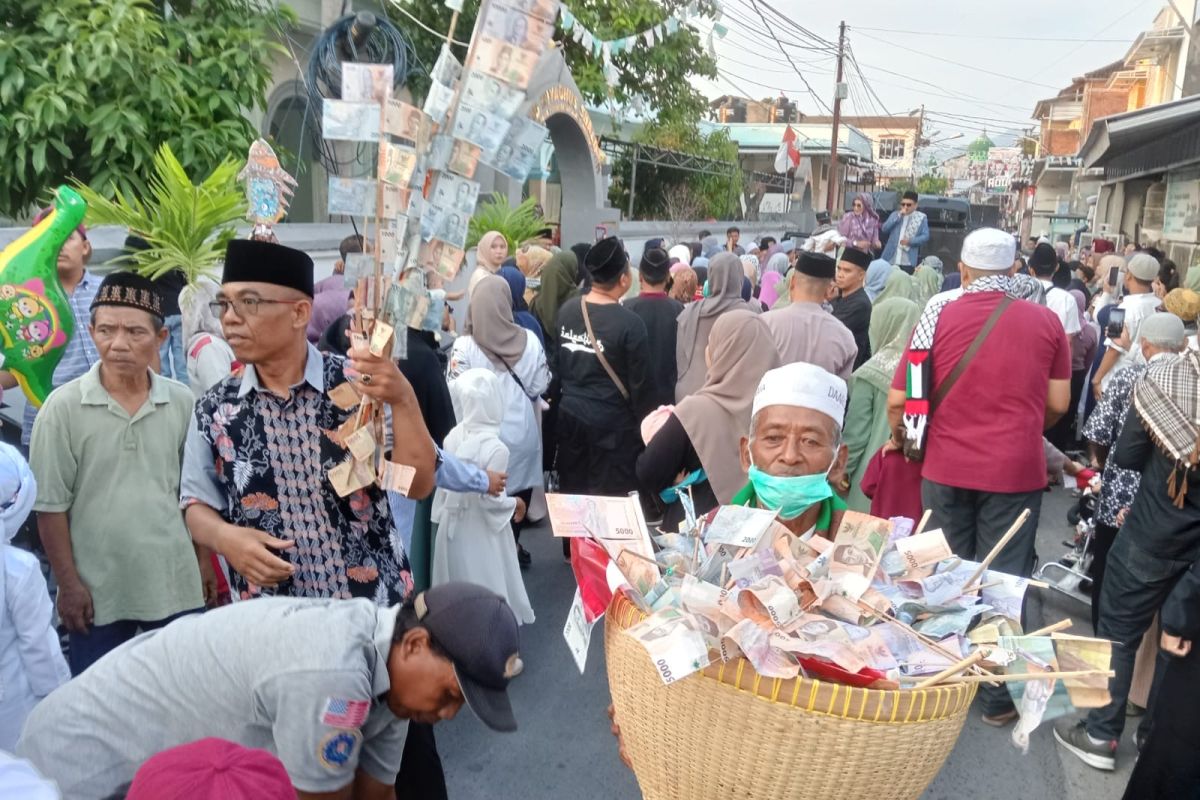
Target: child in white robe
[
  {"x": 31, "y": 659},
  {"x": 474, "y": 538}
]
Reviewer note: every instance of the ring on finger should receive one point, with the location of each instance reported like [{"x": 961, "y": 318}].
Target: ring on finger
[{"x": 366, "y": 379}]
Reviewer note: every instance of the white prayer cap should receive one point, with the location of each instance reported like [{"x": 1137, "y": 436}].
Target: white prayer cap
[
  {"x": 990, "y": 250},
  {"x": 805, "y": 386}
]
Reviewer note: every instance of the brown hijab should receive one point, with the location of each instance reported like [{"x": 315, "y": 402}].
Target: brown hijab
[
  {"x": 718, "y": 415},
  {"x": 724, "y": 294},
  {"x": 490, "y": 322}
]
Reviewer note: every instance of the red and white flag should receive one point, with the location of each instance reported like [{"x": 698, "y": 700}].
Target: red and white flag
[{"x": 788, "y": 156}]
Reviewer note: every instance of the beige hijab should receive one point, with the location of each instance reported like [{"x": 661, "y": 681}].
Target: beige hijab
[
  {"x": 490, "y": 322},
  {"x": 484, "y": 265},
  {"x": 696, "y": 321},
  {"x": 718, "y": 415}
]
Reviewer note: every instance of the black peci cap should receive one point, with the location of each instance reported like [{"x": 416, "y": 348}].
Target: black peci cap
[
  {"x": 857, "y": 257},
  {"x": 266, "y": 262},
  {"x": 606, "y": 259},
  {"x": 129, "y": 289},
  {"x": 817, "y": 265},
  {"x": 655, "y": 265}
]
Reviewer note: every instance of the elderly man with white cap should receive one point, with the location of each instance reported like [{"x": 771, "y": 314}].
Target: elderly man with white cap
[
  {"x": 1139, "y": 302},
  {"x": 984, "y": 375},
  {"x": 794, "y": 453}
]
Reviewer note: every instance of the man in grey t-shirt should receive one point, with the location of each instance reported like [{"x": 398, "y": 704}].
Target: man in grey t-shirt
[{"x": 326, "y": 685}]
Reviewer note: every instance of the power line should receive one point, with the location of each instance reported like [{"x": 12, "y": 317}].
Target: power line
[
  {"x": 990, "y": 38},
  {"x": 804, "y": 80},
  {"x": 953, "y": 96},
  {"x": 815, "y": 43},
  {"x": 789, "y": 22},
  {"x": 960, "y": 64},
  {"x": 986, "y": 120}
]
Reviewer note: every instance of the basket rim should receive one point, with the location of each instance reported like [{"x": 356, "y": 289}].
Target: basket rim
[{"x": 815, "y": 696}]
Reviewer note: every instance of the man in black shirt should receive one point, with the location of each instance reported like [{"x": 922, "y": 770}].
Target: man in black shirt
[
  {"x": 853, "y": 308},
  {"x": 605, "y": 391},
  {"x": 659, "y": 312}
]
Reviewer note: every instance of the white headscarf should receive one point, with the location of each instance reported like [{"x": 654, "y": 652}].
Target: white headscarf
[
  {"x": 478, "y": 403},
  {"x": 18, "y": 490},
  {"x": 193, "y": 307},
  {"x": 682, "y": 252}
]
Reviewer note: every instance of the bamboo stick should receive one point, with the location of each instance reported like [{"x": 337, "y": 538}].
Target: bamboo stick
[
  {"x": 1028, "y": 582},
  {"x": 1061, "y": 625},
  {"x": 931, "y": 643},
  {"x": 953, "y": 669},
  {"x": 1005, "y": 539},
  {"x": 924, "y": 521},
  {"x": 1031, "y": 676}
]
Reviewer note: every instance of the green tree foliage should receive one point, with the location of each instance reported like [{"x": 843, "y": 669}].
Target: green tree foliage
[
  {"x": 926, "y": 184},
  {"x": 674, "y": 193},
  {"x": 90, "y": 88},
  {"x": 660, "y": 76}
]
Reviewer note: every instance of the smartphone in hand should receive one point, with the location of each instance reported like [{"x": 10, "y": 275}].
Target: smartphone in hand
[{"x": 1116, "y": 324}]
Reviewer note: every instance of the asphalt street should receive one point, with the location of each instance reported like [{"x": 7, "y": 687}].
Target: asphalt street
[{"x": 563, "y": 748}]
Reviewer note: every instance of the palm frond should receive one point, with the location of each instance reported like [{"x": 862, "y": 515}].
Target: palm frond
[
  {"x": 186, "y": 225},
  {"x": 519, "y": 225}
]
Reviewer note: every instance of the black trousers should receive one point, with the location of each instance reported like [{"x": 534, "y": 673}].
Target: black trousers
[
  {"x": 596, "y": 460},
  {"x": 1102, "y": 541},
  {"x": 421, "y": 776},
  {"x": 1169, "y": 764}
]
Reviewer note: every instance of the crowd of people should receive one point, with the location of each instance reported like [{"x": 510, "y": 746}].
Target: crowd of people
[{"x": 194, "y": 540}]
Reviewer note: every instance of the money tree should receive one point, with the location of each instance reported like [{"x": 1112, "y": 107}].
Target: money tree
[{"x": 90, "y": 88}]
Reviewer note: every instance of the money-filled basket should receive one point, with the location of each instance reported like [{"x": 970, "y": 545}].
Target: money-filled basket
[{"x": 727, "y": 732}]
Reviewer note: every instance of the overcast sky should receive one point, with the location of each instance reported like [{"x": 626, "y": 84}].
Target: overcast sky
[{"x": 985, "y": 37}]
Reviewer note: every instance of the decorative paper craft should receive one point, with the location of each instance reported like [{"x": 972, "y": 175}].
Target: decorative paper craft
[
  {"x": 268, "y": 187},
  {"x": 36, "y": 321}
]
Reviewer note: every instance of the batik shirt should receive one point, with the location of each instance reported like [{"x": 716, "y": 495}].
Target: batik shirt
[
  {"x": 261, "y": 460},
  {"x": 1118, "y": 486}
]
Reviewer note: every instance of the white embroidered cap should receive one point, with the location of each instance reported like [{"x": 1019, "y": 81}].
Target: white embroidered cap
[
  {"x": 989, "y": 249},
  {"x": 805, "y": 386}
]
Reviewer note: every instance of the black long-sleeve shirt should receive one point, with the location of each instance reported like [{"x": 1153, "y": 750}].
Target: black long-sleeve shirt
[
  {"x": 669, "y": 453},
  {"x": 660, "y": 313},
  {"x": 1160, "y": 528},
  {"x": 588, "y": 393},
  {"x": 854, "y": 311}
]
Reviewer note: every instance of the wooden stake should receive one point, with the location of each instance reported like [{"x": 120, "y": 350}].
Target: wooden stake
[
  {"x": 1031, "y": 676},
  {"x": 1028, "y": 582},
  {"x": 924, "y": 521},
  {"x": 953, "y": 669},
  {"x": 1061, "y": 625},
  {"x": 931, "y": 643},
  {"x": 1005, "y": 539}
]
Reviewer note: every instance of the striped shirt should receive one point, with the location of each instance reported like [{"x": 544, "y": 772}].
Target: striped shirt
[{"x": 80, "y": 353}]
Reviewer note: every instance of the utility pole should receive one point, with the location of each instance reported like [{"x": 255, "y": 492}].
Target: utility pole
[
  {"x": 917, "y": 143},
  {"x": 837, "y": 118}
]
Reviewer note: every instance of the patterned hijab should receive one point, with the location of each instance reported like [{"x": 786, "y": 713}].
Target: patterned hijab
[
  {"x": 892, "y": 322},
  {"x": 718, "y": 414},
  {"x": 1167, "y": 400}
]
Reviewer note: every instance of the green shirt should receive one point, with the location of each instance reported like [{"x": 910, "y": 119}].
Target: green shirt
[
  {"x": 117, "y": 479},
  {"x": 747, "y": 497}
]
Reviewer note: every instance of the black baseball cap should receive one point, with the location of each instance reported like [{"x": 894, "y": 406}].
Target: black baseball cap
[{"x": 478, "y": 632}]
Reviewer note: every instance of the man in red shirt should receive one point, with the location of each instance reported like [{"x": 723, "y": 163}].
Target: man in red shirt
[{"x": 984, "y": 461}]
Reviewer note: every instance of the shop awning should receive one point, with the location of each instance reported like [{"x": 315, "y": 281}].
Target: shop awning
[{"x": 1148, "y": 140}]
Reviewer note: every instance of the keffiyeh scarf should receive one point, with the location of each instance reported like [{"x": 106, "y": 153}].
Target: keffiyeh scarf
[
  {"x": 1167, "y": 400},
  {"x": 919, "y": 371}
]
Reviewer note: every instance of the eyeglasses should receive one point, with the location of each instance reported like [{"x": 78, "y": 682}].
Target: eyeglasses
[
  {"x": 244, "y": 306},
  {"x": 908, "y": 204}
]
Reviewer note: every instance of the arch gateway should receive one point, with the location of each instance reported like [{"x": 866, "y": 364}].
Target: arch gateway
[{"x": 554, "y": 101}]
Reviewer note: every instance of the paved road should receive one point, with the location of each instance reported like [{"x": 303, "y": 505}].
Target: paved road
[{"x": 563, "y": 748}]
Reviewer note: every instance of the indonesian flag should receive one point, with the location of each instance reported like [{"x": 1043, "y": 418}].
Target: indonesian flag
[{"x": 788, "y": 156}]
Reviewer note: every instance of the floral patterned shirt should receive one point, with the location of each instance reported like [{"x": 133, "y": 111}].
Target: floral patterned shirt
[
  {"x": 1119, "y": 486},
  {"x": 260, "y": 461}
]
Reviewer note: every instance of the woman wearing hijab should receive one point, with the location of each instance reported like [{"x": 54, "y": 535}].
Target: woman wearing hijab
[
  {"x": 516, "y": 286},
  {"x": 866, "y": 428},
  {"x": 769, "y": 291},
  {"x": 750, "y": 268},
  {"x": 209, "y": 357},
  {"x": 927, "y": 279},
  {"x": 777, "y": 263},
  {"x": 493, "y": 340},
  {"x": 877, "y": 275},
  {"x": 898, "y": 284},
  {"x": 683, "y": 284},
  {"x": 723, "y": 293},
  {"x": 1083, "y": 350},
  {"x": 682, "y": 254},
  {"x": 860, "y": 225},
  {"x": 697, "y": 445},
  {"x": 490, "y": 255},
  {"x": 31, "y": 659},
  {"x": 560, "y": 279}
]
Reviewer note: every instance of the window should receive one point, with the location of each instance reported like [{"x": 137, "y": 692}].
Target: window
[{"x": 891, "y": 147}]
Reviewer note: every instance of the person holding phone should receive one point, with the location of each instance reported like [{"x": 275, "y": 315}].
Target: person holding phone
[{"x": 1139, "y": 302}]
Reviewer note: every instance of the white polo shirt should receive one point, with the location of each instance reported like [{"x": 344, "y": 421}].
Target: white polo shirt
[
  {"x": 1064, "y": 306},
  {"x": 305, "y": 679}
]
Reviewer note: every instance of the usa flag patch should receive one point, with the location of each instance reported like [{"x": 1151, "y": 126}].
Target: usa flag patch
[{"x": 342, "y": 713}]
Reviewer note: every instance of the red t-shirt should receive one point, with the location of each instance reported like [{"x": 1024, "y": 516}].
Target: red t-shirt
[{"x": 987, "y": 434}]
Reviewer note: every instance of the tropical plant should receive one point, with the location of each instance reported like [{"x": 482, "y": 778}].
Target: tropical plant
[
  {"x": 89, "y": 88},
  {"x": 186, "y": 225},
  {"x": 519, "y": 225}
]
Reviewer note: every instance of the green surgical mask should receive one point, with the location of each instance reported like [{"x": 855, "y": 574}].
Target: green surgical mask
[{"x": 790, "y": 495}]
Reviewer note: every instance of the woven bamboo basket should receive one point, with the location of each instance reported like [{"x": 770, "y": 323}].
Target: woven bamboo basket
[{"x": 730, "y": 733}]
